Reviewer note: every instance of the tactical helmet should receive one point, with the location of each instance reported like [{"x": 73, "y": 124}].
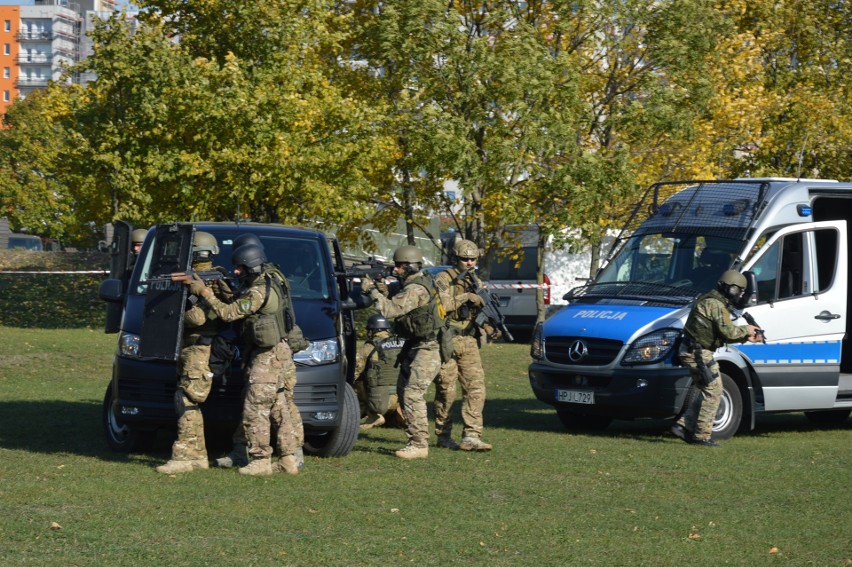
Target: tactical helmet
[
  {"x": 410, "y": 254},
  {"x": 466, "y": 249},
  {"x": 246, "y": 238},
  {"x": 138, "y": 236},
  {"x": 378, "y": 323},
  {"x": 251, "y": 256},
  {"x": 733, "y": 277},
  {"x": 204, "y": 242}
]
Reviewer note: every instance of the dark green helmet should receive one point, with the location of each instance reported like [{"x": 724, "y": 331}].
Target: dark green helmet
[
  {"x": 251, "y": 256},
  {"x": 378, "y": 323}
]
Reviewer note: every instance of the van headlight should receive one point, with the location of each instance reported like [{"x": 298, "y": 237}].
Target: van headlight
[
  {"x": 652, "y": 347},
  {"x": 537, "y": 343},
  {"x": 319, "y": 352},
  {"x": 128, "y": 345}
]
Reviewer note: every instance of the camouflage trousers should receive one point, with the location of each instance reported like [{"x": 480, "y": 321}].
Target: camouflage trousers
[
  {"x": 465, "y": 368},
  {"x": 419, "y": 369},
  {"x": 193, "y": 388},
  {"x": 270, "y": 370},
  {"x": 702, "y": 401}
]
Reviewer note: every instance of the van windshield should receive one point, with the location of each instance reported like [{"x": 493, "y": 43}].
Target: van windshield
[
  {"x": 679, "y": 266},
  {"x": 300, "y": 259}
]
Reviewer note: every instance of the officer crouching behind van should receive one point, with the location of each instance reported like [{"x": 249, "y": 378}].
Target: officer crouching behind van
[
  {"x": 376, "y": 374},
  {"x": 707, "y": 328}
]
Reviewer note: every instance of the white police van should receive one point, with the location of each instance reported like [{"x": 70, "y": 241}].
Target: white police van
[{"x": 611, "y": 353}]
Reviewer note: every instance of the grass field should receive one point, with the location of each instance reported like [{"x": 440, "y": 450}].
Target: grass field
[{"x": 632, "y": 495}]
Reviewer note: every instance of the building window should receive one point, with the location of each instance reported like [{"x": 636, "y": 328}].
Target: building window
[
  {"x": 7, "y": 72},
  {"x": 7, "y": 25},
  {"x": 6, "y": 96},
  {"x": 7, "y": 49}
]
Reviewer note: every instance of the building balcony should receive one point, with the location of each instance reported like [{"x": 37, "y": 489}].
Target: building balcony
[
  {"x": 24, "y": 82},
  {"x": 35, "y": 59},
  {"x": 35, "y": 36}
]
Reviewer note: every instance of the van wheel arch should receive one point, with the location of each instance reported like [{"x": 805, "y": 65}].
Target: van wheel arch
[{"x": 729, "y": 417}]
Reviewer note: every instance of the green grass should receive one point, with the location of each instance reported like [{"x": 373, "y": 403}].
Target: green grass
[{"x": 632, "y": 495}]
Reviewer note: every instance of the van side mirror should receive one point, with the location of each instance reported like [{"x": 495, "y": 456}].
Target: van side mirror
[
  {"x": 111, "y": 290},
  {"x": 749, "y": 296}
]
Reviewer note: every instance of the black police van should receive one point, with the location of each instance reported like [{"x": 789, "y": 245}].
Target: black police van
[{"x": 146, "y": 310}]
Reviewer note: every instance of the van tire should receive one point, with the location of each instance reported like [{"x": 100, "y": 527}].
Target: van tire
[
  {"x": 579, "y": 422},
  {"x": 121, "y": 437},
  {"x": 730, "y": 412},
  {"x": 338, "y": 442}
]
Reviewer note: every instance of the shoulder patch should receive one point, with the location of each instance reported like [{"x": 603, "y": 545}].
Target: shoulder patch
[{"x": 244, "y": 305}]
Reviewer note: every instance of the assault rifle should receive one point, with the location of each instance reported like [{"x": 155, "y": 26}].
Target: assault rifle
[
  {"x": 183, "y": 277},
  {"x": 371, "y": 268},
  {"x": 759, "y": 333},
  {"x": 489, "y": 316}
]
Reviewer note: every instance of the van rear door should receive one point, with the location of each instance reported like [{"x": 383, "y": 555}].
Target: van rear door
[{"x": 802, "y": 291}]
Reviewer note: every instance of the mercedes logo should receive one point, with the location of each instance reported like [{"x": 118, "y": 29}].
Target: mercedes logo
[{"x": 578, "y": 351}]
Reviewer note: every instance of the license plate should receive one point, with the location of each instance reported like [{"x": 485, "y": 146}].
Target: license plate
[{"x": 575, "y": 396}]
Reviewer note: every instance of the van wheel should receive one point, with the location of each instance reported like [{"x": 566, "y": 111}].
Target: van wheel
[
  {"x": 730, "y": 412},
  {"x": 828, "y": 418},
  {"x": 121, "y": 437},
  {"x": 578, "y": 422},
  {"x": 339, "y": 442}
]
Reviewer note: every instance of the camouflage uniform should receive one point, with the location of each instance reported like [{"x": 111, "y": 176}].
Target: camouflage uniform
[
  {"x": 422, "y": 359},
  {"x": 195, "y": 380},
  {"x": 376, "y": 377},
  {"x": 708, "y": 327},
  {"x": 465, "y": 366},
  {"x": 270, "y": 376}
]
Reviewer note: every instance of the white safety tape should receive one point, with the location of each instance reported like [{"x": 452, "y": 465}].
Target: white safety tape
[
  {"x": 515, "y": 286},
  {"x": 100, "y": 272}
]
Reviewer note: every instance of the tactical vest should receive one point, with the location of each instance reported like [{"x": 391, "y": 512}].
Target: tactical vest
[
  {"x": 381, "y": 370},
  {"x": 276, "y": 317},
  {"x": 462, "y": 317},
  {"x": 211, "y": 326},
  {"x": 425, "y": 321},
  {"x": 702, "y": 329}
]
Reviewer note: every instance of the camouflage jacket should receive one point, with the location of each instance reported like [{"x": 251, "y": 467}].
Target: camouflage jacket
[{"x": 709, "y": 322}]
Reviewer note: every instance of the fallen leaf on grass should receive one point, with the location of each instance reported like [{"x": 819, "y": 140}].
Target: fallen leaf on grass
[
  {"x": 55, "y": 526},
  {"x": 394, "y": 509},
  {"x": 694, "y": 536},
  {"x": 773, "y": 550}
]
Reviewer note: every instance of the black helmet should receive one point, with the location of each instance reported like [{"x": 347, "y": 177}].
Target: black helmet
[
  {"x": 377, "y": 323},
  {"x": 246, "y": 238},
  {"x": 251, "y": 256}
]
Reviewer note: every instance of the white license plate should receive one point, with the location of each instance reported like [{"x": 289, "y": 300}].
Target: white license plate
[{"x": 575, "y": 396}]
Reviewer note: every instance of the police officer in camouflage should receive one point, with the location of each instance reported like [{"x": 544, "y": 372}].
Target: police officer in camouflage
[
  {"x": 419, "y": 317},
  {"x": 265, "y": 308},
  {"x": 708, "y": 328},
  {"x": 375, "y": 373},
  {"x": 201, "y": 325},
  {"x": 465, "y": 365}
]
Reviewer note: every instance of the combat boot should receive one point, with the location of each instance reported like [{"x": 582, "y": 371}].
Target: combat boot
[
  {"x": 373, "y": 421},
  {"x": 258, "y": 467},
  {"x": 238, "y": 457},
  {"x": 446, "y": 442},
  {"x": 474, "y": 444},
  {"x": 177, "y": 467},
  {"x": 288, "y": 464},
  {"x": 412, "y": 452},
  {"x": 681, "y": 432}
]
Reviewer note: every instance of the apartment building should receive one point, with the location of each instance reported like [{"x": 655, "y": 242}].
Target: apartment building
[{"x": 38, "y": 41}]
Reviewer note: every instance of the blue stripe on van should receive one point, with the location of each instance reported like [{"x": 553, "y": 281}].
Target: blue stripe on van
[
  {"x": 816, "y": 352},
  {"x": 617, "y": 322}
]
